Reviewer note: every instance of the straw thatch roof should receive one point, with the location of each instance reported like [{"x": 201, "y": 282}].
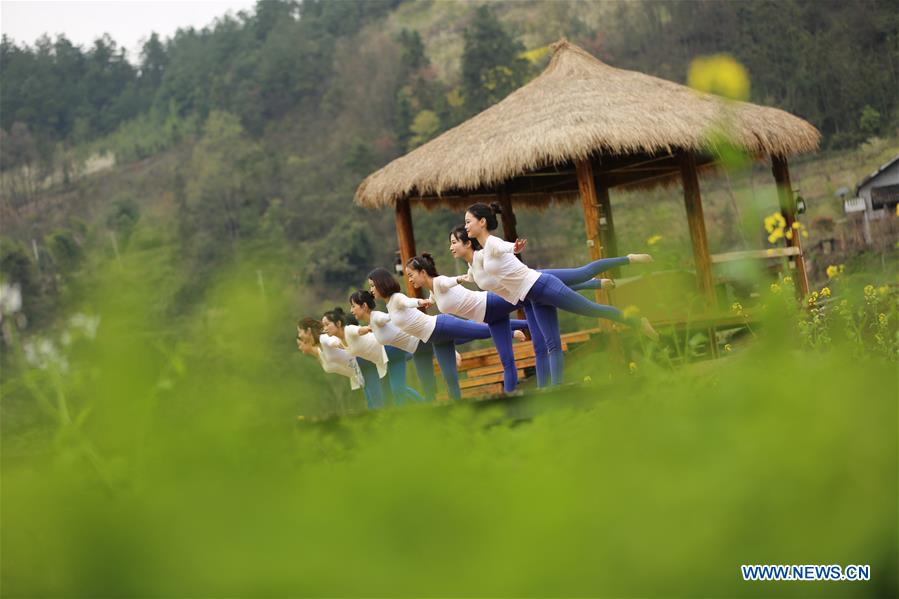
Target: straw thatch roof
[{"x": 576, "y": 108}]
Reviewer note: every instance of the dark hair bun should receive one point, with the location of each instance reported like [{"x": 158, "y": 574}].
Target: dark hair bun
[
  {"x": 488, "y": 213},
  {"x": 363, "y": 297},
  {"x": 497, "y": 209},
  {"x": 338, "y": 310}
]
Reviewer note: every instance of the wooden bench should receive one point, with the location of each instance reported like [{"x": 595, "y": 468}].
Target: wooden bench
[
  {"x": 778, "y": 252},
  {"x": 481, "y": 373}
]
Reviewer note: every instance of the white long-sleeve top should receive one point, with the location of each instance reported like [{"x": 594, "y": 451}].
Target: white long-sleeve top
[
  {"x": 388, "y": 333},
  {"x": 336, "y": 360},
  {"x": 495, "y": 268},
  {"x": 453, "y": 298},
  {"x": 404, "y": 313},
  {"x": 366, "y": 347}
]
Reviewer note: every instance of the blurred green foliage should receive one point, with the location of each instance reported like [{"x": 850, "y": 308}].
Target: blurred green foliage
[{"x": 150, "y": 454}]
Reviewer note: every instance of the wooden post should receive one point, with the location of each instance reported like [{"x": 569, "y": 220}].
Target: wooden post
[
  {"x": 788, "y": 208},
  {"x": 606, "y": 225},
  {"x": 592, "y": 212},
  {"x": 699, "y": 239},
  {"x": 406, "y": 239},
  {"x": 696, "y": 222},
  {"x": 510, "y": 232}
]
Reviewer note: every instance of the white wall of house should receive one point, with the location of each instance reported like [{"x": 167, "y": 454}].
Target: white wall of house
[{"x": 888, "y": 176}]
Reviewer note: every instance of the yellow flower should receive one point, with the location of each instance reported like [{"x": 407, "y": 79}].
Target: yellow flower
[
  {"x": 737, "y": 308},
  {"x": 775, "y": 288},
  {"x": 789, "y": 234},
  {"x": 630, "y": 311},
  {"x": 728, "y": 348},
  {"x": 588, "y": 379},
  {"x": 536, "y": 54},
  {"x": 797, "y": 225},
  {"x": 654, "y": 240},
  {"x": 825, "y": 292},
  {"x": 869, "y": 290},
  {"x": 719, "y": 74},
  {"x": 813, "y": 297},
  {"x": 788, "y": 280},
  {"x": 632, "y": 367},
  {"x": 883, "y": 289},
  {"x": 882, "y": 319},
  {"x": 834, "y": 270}
]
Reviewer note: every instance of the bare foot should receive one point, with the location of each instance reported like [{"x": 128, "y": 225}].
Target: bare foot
[
  {"x": 607, "y": 283},
  {"x": 647, "y": 329},
  {"x": 458, "y": 360},
  {"x": 519, "y": 335},
  {"x": 639, "y": 258}
]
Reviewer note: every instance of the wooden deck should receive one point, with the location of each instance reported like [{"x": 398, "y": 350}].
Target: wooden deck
[{"x": 481, "y": 373}]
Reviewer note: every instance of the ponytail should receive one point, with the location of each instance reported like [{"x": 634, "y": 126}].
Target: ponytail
[
  {"x": 424, "y": 262},
  {"x": 486, "y": 212},
  {"x": 363, "y": 298},
  {"x": 338, "y": 316}
]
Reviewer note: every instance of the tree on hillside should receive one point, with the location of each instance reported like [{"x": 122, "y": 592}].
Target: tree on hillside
[
  {"x": 227, "y": 190},
  {"x": 20, "y": 165},
  {"x": 153, "y": 61},
  {"x": 491, "y": 63}
]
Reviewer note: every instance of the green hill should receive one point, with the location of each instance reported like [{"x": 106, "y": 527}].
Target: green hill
[{"x": 256, "y": 130}]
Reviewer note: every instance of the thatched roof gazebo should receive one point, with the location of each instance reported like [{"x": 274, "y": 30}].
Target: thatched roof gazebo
[{"x": 578, "y": 130}]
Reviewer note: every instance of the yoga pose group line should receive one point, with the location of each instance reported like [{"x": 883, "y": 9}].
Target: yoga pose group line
[{"x": 373, "y": 356}]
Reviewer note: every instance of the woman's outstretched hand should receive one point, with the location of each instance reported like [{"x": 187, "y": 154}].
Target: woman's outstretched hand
[
  {"x": 425, "y": 303},
  {"x": 519, "y": 245},
  {"x": 364, "y": 330}
]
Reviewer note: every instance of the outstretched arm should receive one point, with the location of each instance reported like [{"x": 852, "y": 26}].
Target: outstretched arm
[
  {"x": 409, "y": 302},
  {"x": 495, "y": 247}
]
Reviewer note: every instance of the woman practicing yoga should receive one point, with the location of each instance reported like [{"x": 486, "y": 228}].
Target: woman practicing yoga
[
  {"x": 442, "y": 332},
  {"x": 343, "y": 333},
  {"x": 362, "y": 304},
  {"x": 333, "y": 359},
  {"x": 387, "y": 334},
  {"x": 496, "y": 268},
  {"x": 464, "y": 248},
  {"x": 477, "y": 306}
]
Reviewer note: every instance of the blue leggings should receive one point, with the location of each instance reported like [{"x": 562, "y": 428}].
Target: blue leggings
[
  {"x": 449, "y": 332},
  {"x": 501, "y": 326},
  {"x": 423, "y": 358},
  {"x": 582, "y": 277},
  {"x": 374, "y": 396},
  {"x": 549, "y": 293},
  {"x": 578, "y": 279},
  {"x": 497, "y": 316},
  {"x": 396, "y": 375}
]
